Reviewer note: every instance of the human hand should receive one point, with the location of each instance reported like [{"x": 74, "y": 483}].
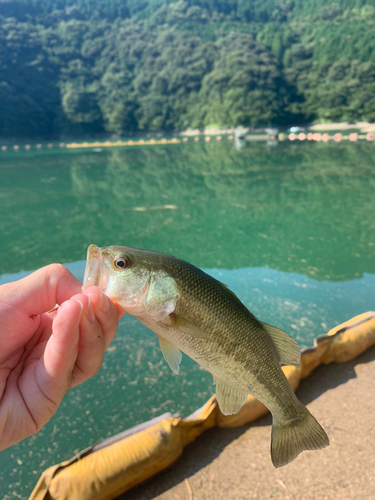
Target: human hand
[{"x": 43, "y": 354}]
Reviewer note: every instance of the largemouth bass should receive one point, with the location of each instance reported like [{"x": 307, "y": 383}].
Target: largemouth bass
[{"x": 192, "y": 312}]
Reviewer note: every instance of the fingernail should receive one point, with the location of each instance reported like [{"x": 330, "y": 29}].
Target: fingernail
[
  {"x": 80, "y": 303},
  {"x": 90, "y": 312},
  {"x": 105, "y": 303}
]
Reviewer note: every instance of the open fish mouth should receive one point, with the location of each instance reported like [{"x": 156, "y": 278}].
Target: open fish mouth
[{"x": 96, "y": 272}]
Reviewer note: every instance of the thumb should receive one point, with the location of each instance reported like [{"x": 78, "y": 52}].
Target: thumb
[{"x": 42, "y": 290}]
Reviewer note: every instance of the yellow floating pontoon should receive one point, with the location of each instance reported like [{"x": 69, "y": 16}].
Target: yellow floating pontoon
[{"x": 104, "y": 471}]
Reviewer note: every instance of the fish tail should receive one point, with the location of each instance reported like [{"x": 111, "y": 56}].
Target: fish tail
[{"x": 291, "y": 437}]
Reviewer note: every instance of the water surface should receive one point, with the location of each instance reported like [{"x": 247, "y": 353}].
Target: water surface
[{"x": 290, "y": 229}]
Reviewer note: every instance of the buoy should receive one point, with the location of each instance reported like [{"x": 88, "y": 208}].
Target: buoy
[
  {"x": 337, "y": 137},
  {"x": 353, "y": 137},
  {"x": 292, "y": 136}
]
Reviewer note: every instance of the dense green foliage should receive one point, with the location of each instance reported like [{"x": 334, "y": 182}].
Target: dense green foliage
[{"x": 93, "y": 66}]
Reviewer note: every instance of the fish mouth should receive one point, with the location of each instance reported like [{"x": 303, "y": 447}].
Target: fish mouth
[{"x": 96, "y": 272}]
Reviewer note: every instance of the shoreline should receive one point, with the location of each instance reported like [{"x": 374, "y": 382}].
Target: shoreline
[
  {"x": 361, "y": 126},
  {"x": 319, "y": 127},
  {"x": 25, "y": 143}
]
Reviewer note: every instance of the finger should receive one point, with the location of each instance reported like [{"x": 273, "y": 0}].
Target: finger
[
  {"x": 53, "y": 372},
  {"x": 42, "y": 290},
  {"x": 106, "y": 312},
  {"x": 97, "y": 295},
  {"x": 91, "y": 343}
]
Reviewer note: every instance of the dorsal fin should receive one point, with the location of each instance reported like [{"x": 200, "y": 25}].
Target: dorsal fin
[{"x": 287, "y": 348}]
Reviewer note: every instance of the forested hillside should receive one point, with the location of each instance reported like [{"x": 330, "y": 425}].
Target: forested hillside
[{"x": 95, "y": 66}]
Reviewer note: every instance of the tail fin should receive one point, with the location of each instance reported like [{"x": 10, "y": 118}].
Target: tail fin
[{"x": 289, "y": 439}]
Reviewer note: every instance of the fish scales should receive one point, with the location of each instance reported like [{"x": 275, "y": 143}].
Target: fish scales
[
  {"x": 192, "y": 312},
  {"x": 240, "y": 339}
]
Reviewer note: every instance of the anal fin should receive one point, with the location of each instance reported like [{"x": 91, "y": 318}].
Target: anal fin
[
  {"x": 229, "y": 398},
  {"x": 287, "y": 348},
  {"x": 171, "y": 354}
]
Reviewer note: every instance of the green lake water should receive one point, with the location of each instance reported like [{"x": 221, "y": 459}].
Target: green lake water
[{"x": 290, "y": 229}]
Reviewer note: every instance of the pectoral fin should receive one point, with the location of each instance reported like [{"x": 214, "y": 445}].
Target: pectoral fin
[
  {"x": 186, "y": 326},
  {"x": 287, "y": 348},
  {"x": 171, "y": 354},
  {"x": 161, "y": 298},
  {"x": 230, "y": 399}
]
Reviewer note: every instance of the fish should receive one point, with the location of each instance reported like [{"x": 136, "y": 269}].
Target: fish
[{"x": 192, "y": 312}]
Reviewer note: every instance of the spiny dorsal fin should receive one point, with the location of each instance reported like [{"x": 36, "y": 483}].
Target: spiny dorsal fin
[
  {"x": 171, "y": 354},
  {"x": 230, "y": 399},
  {"x": 287, "y": 348}
]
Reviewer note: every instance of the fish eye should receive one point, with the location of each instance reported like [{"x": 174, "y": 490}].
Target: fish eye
[{"x": 122, "y": 262}]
